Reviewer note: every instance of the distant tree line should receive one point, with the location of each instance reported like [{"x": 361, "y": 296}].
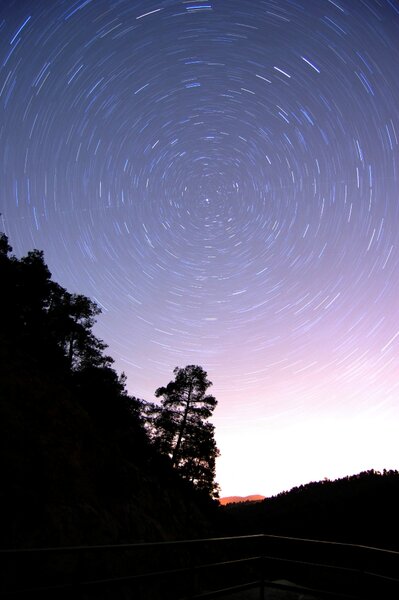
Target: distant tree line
[
  {"x": 53, "y": 329},
  {"x": 359, "y": 509}
]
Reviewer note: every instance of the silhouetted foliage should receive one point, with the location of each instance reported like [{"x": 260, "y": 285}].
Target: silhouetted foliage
[
  {"x": 5, "y": 247},
  {"x": 358, "y": 509},
  {"x": 41, "y": 316},
  {"x": 179, "y": 426},
  {"x": 79, "y": 467}
]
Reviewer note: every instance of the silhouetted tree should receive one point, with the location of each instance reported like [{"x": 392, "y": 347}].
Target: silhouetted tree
[
  {"x": 5, "y": 247},
  {"x": 43, "y": 317},
  {"x": 74, "y": 316},
  {"x": 26, "y": 285},
  {"x": 180, "y": 428}
]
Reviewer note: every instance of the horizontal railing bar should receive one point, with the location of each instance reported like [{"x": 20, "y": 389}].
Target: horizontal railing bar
[
  {"x": 227, "y": 562},
  {"x": 272, "y": 585},
  {"x": 299, "y": 589},
  {"x": 138, "y": 545},
  {"x": 285, "y": 560},
  {"x": 311, "y": 564},
  {"x": 331, "y": 543},
  {"x": 95, "y": 582},
  {"x": 229, "y": 590},
  {"x": 379, "y": 576}
]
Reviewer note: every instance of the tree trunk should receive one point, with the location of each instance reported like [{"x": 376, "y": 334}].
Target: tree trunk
[
  {"x": 70, "y": 352},
  {"x": 72, "y": 342},
  {"x": 182, "y": 428}
]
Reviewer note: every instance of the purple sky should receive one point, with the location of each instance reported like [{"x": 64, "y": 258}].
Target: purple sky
[{"x": 222, "y": 179}]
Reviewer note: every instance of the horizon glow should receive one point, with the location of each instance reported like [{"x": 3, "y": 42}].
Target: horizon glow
[{"x": 222, "y": 179}]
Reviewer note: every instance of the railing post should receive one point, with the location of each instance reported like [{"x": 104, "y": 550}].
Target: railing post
[
  {"x": 262, "y": 571},
  {"x": 193, "y": 583},
  {"x": 261, "y": 579},
  {"x": 362, "y": 585}
]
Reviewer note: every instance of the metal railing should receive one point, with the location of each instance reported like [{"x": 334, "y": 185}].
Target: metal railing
[{"x": 201, "y": 569}]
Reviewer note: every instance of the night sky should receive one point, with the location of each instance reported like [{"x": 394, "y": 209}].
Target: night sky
[{"x": 222, "y": 179}]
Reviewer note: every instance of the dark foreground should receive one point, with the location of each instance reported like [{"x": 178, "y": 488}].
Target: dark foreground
[{"x": 200, "y": 569}]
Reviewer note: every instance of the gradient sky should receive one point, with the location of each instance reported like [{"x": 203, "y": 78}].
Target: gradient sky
[{"x": 222, "y": 179}]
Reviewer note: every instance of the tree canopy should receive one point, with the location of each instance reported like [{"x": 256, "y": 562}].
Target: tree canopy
[{"x": 43, "y": 315}]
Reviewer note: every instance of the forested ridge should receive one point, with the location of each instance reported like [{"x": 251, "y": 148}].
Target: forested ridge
[
  {"x": 358, "y": 509},
  {"x": 79, "y": 463}
]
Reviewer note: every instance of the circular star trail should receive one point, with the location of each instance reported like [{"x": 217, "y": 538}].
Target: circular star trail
[{"x": 221, "y": 178}]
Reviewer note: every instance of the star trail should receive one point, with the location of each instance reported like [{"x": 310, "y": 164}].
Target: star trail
[{"x": 222, "y": 179}]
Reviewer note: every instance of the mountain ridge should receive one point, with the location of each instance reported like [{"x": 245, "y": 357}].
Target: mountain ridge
[{"x": 238, "y": 499}]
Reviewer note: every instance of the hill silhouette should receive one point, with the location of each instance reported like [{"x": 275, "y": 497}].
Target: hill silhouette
[{"x": 239, "y": 499}]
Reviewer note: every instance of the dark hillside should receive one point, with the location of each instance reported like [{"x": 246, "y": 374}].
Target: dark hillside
[
  {"x": 68, "y": 479},
  {"x": 77, "y": 467},
  {"x": 361, "y": 509}
]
